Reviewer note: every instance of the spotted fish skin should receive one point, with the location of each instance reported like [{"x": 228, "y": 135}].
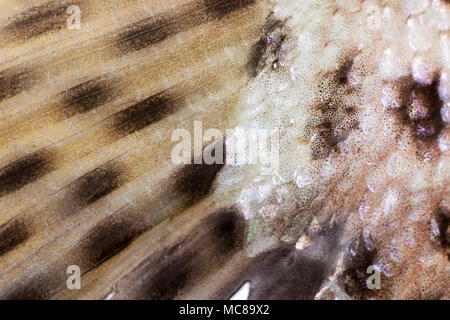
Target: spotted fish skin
[{"x": 87, "y": 113}]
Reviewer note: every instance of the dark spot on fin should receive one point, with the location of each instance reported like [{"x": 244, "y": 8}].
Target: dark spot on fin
[
  {"x": 219, "y": 9},
  {"x": 25, "y": 170},
  {"x": 169, "y": 272},
  {"x": 38, "y": 20},
  {"x": 227, "y": 228},
  {"x": 195, "y": 180},
  {"x": 266, "y": 52},
  {"x": 12, "y": 233},
  {"x": 15, "y": 80},
  {"x": 217, "y": 236},
  {"x": 108, "y": 238},
  {"x": 87, "y": 96},
  {"x": 155, "y": 29},
  {"x": 95, "y": 185},
  {"x": 145, "y": 33},
  {"x": 145, "y": 113},
  {"x": 166, "y": 285}
]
